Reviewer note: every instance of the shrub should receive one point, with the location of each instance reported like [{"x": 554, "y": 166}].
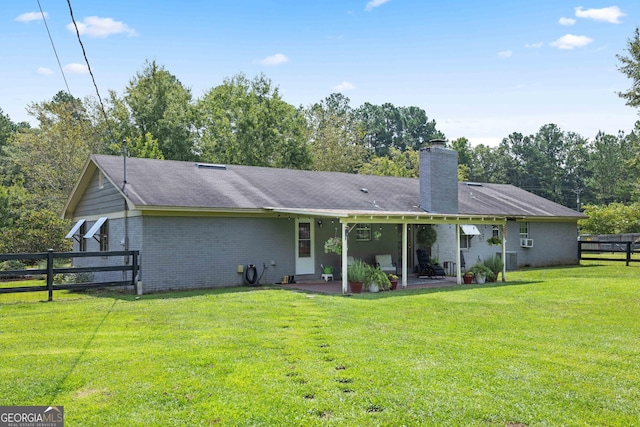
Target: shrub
[
  {"x": 357, "y": 271},
  {"x": 495, "y": 264},
  {"x": 72, "y": 278}
]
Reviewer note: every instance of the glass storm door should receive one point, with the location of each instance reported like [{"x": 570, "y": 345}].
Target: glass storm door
[{"x": 305, "y": 258}]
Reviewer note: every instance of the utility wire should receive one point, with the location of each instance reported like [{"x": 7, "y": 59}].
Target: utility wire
[
  {"x": 86, "y": 60},
  {"x": 54, "y": 48}
]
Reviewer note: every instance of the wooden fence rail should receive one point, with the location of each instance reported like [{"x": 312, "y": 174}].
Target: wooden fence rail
[
  {"x": 594, "y": 247},
  {"x": 50, "y": 271}
]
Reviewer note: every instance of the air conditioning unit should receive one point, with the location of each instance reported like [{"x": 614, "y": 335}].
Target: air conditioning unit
[{"x": 526, "y": 243}]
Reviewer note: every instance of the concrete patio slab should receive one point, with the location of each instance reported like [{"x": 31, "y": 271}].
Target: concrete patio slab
[{"x": 335, "y": 286}]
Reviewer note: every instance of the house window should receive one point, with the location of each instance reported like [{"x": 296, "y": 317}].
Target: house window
[
  {"x": 82, "y": 242},
  {"x": 100, "y": 180},
  {"x": 363, "y": 233},
  {"x": 524, "y": 230},
  {"x": 103, "y": 237},
  {"x": 465, "y": 241},
  {"x": 495, "y": 231}
]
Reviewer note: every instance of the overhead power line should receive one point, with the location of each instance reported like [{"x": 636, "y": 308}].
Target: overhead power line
[
  {"x": 54, "y": 48},
  {"x": 86, "y": 60}
]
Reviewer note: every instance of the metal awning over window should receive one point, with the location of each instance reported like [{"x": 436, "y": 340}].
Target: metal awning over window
[
  {"x": 74, "y": 229},
  {"x": 95, "y": 228},
  {"x": 469, "y": 229}
]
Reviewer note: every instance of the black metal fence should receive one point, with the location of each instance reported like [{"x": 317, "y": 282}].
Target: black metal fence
[
  {"x": 130, "y": 263},
  {"x": 612, "y": 247}
]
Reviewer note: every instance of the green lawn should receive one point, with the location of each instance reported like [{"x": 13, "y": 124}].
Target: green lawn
[{"x": 553, "y": 347}]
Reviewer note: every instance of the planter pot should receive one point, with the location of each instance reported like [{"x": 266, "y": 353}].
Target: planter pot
[
  {"x": 467, "y": 280},
  {"x": 480, "y": 279},
  {"x": 374, "y": 287},
  {"x": 394, "y": 285},
  {"x": 356, "y": 287}
]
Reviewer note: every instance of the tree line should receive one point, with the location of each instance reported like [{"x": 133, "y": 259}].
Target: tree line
[{"x": 246, "y": 121}]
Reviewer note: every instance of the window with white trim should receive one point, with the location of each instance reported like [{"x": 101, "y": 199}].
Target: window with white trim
[
  {"x": 103, "y": 237},
  {"x": 465, "y": 241},
  {"x": 524, "y": 230},
  {"x": 82, "y": 243},
  {"x": 363, "y": 233}
]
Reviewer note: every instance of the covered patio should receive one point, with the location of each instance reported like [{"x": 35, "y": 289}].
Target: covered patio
[{"x": 350, "y": 218}]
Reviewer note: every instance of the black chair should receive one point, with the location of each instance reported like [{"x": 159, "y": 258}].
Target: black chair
[{"x": 426, "y": 269}]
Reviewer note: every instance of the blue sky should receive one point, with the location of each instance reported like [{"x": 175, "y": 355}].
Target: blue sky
[{"x": 481, "y": 69}]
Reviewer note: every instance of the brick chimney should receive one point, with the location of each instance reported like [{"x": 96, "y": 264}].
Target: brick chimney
[{"x": 439, "y": 179}]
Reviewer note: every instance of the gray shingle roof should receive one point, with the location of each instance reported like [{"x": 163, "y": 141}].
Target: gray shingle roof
[{"x": 164, "y": 183}]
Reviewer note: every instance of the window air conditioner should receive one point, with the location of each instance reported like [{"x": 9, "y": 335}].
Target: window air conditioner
[{"x": 526, "y": 243}]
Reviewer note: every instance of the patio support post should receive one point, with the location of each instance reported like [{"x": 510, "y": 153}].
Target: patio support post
[
  {"x": 404, "y": 255},
  {"x": 504, "y": 251},
  {"x": 458, "y": 259},
  {"x": 345, "y": 249}
]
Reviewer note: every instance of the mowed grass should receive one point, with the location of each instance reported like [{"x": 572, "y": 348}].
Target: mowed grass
[{"x": 552, "y": 347}]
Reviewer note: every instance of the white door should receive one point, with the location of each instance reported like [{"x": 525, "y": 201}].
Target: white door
[{"x": 305, "y": 257}]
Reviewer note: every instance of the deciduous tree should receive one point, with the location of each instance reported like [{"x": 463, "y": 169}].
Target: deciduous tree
[
  {"x": 246, "y": 122},
  {"x": 51, "y": 156},
  {"x": 334, "y": 135},
  {"x": 159, "y": 104}
]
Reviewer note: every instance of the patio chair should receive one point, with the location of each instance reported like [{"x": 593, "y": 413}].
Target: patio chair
[
  {"x": 426, "y": 269},
  {"x": 385, "y": 263}
]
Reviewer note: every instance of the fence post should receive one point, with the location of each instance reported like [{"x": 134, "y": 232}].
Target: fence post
[
  {"x": 50, "y": 274},
  {"x": 579, "y": 251},
  {"x": 628, "y": 253},
  {"x": 134, "y": 272}
]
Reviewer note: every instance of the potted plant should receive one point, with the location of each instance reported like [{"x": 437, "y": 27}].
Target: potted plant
[
  {"x": 494, "y": 240},
  {"x": 393, "y": 279},
  {"x": 376, "y": 279},
  {"x": 481, "y": 273},
  {"x": 333, "y": 245},
  {"x": 356, "y": 274},
  {"x": 494, "y": 264},
  {"x": 467, "y": 277},
  {"x": 426, "y": 236}
]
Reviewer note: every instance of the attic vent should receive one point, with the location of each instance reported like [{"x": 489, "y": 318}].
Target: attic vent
[
  {"x": 211, "y": 166},
  {"x": 474, "y": 184},
  {"x": 364, "y": 190}
]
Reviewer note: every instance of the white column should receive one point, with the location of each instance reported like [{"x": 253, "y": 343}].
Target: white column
[
  {"x": 404, "y": 255},
  {"x": 458, "y": 259},
  {"x": 504, "y": 252},
  {"x": 345, "y": 249}
]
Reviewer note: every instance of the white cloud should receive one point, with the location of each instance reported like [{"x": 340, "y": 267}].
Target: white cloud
[
  {"x": 276, "y": 59},
  {"x": 566, "y": 21},
  {"x": 570, "y": 41},
  {"x": 344, "y": 86},
  {"x": 374, "y": 3},
  {"x": 31, "y": 16},
  {"x": 608, "y": 14},
  {"x": 534, "y": 45},
  {"x": 45, "y": 71},
  {"x": 75, "y": 68},
  {"x": 505, "y": 54},
  {"x": 94, "y": 26}
]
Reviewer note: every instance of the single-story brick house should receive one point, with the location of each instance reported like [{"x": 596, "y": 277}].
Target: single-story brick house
[{"x": 201, "y": 225}]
